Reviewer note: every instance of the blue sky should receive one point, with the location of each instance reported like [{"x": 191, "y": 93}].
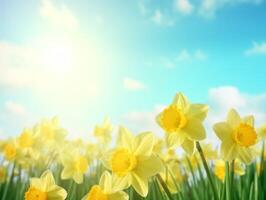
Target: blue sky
[{"x": 84, "y": 60}]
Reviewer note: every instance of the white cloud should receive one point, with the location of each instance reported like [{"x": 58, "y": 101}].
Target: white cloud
[
  {"x": 133, "y": 84},
  {"x": 257, "y": 49},
  {"x": 169, "y": 12},
  {"x": 183, "y": 57},
  {"x": 208, "y": 8},
  {"x": 221, "y": 99},
  {"x": 157, "y": 17},
  {"x": 226, "y": 97},
  {"x": 58, "y": 15},
  {"x": 200, "y": 55},
  {"x": 142, "y": 8},
  {"x": 15, "y": 64},
  {"x": 14, "y": 116},
  {"x": 162, "y": 19},
  {"x": 139, "y": 121},
  {"x": 184, "y": 6},
  {"x": 15, "y": 108}
]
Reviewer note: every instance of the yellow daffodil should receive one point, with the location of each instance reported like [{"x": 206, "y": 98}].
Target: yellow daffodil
[
  {"x": 26, "y": 140},
  {"x": 262, "y": 132},
  {"x": 158, "y": 146},
  {"x": 50, "y": 131},
  {"x": 103, "y": 132},
  {"x": 238, "y": 136},
  {"x": 133, "y": 161},
  {"x": 209, "y": 152},
  {"x": 108, "y": 189},
  {"x": 75, "y": 166},
  {"x": 172, "y": 176},
  {"x": 219, "y": 168},
  {"x": 10, "y": 150},
  {"x": 182, "y": 122},
  {"x": 44, "y": 188}
]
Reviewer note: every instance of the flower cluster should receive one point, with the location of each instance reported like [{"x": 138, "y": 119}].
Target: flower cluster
[{"x": 114, "y": 165}]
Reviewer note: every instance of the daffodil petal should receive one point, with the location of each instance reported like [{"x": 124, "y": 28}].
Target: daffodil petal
[
  {"x": 195, "y": 130},
  {"x": 245, "y": 155},
  {"x": 148, "y": 166},
  {"x": 106, "y": 182},
  {"x": 181, "y": 101},
  {"x": 120, "y": 183},
  {"x": 105, "y": 158},
  {"x": 233, "y": 118},
  {"x": 47, "y": 178},
  {"x": 125, "y": 138},
  {"x": 249, "y": 120},
  {"x": 229, "y": 150},
  {"x": 78, "y": 178},
  {"x": 223, "y": 130},
  {"x": 66, "y": 173},
  {"x": 175, "y": 139},
  {"x": 144, "y": 144},
  {"x": 198, "y": 111},
  {"x": 239, "y": 169},
  {"x": 118, "y": 196},
  {"x": 140, "y": 185},
  {"x": 189, "y": 146},
  {"x": 56, "y": 193},
  {"x": 37, "y": 183}
]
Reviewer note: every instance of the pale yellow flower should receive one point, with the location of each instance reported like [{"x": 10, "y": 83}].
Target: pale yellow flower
[
  {"x": 238, "y": 136},
  {"x": 132, "y": 161},
  {"x": 10, "y": 150},
  {"x": 219, "y": 168},
  {"x": 209, "y": 152},
  {"x": 108, "y": 189},
  {"x": 183, "y": 123},
  {"x": 159, "y": 146},
  {"x": 103, "y": 132},
  {"x": 50, "y": 131},
  {"x": 26, "y": 139},
  {"x": 172, "y": 176},
  {"x": 262, "y": 131},
  {"x": 44, "y": 188},
  {"x": 28, "y": 146},
  {"x": 75, "y": 166}
]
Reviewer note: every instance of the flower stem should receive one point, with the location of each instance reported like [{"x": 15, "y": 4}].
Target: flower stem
[
  {"x": 261, "y": 173},
  {"x": 262, "y": 159},
  {"x": 207, "y": 169},
  {"x": 227, "y": 180},
  {"x": 232, "y": 178},
  {"x": 168, "y": 193}
]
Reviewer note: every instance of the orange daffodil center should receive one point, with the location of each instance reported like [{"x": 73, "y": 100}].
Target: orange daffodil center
[
  {"x": 96, "y": 193},
  {"x": 35, "y": 194},
  {"x": 123, "y": 162},
  {"x": 245, "y": 135},
  {"x": 173, "y": 119}
]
